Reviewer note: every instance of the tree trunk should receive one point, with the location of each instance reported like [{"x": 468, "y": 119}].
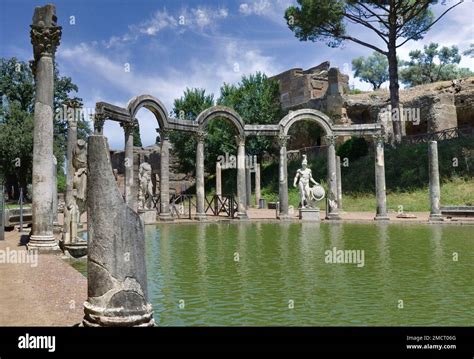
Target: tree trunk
[{"x": 394, "y": 92}]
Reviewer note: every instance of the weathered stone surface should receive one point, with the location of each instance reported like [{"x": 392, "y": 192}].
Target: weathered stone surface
[
  {"x": 45, "y": 36},
  {"x": 435, "y": 189},
  {"x": 117, "y": 280},
  {"x": 309, "y": 214}
]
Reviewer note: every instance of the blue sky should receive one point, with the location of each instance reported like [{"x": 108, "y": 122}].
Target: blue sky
[{"x": 171, "y": 45}]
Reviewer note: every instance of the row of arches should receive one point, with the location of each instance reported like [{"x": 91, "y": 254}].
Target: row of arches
[{"x": 126, "y": 117}]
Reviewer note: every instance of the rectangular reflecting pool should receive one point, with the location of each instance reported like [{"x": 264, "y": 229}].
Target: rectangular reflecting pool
[
  {"x": 297, "y": 274},
  {"x": 285, "y": 274}
]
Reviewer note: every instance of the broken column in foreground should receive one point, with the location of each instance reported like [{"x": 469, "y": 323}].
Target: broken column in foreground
[
  {"x": 45, "y": 37},
  {"x": 116, "y": 271},
  {"x": 435, "y": 189}
]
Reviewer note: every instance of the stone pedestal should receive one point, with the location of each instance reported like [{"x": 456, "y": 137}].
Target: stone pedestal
[
  {"x": 310, "y": 215},
  {"x": 148, "y": 216},
  {"x": 116, "y": 270},
  {"x": 45, "y": 37}
]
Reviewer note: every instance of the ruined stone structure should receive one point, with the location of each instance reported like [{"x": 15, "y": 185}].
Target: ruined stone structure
[
  {"x": 198, "y": 128},
  {"x": 116, "y": 270},
  {"x": 45, "y": 37},
  {"x": 424, "y": 109}
]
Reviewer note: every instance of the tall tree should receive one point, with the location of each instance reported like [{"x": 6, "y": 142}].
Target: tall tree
[
  {"x": 188, "y": 107},
  {"x": 372, "y": 69},
  {"x": 256, "y": 98},
  {"x": 17, "y": 95},
  {"x": 432, "y": 65},
  {"x": 395, "y": 22}
]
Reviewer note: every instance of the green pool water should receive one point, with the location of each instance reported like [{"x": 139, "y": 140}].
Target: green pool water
[{"x": 277, "y": 274}]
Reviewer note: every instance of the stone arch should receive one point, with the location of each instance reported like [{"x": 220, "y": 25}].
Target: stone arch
[
  {"x": 152, "y": 104},
  {"x": 221, "y": 111},
  {"x": 306, "y": 114}
]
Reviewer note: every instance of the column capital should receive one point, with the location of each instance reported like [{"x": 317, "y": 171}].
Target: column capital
[
  {"x": 165, "y": 133},
  {"x": 128, "y": 126},
  {"x": 99, "y": 120},
  {"x": 200, "y": 135},
  {"x": 331, "y": 139},
  {"x": 45, "y": 41},
  {"x": 379, "y": 138},
  {"x": 283, "y": 140},
  {"x": 240, "y": 139}
]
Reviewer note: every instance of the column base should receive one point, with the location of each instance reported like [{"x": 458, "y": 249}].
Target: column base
[
  {"x": 242, "y": 216},
  {"x": 283, "y": 217},
  {"x": 43, "y": 243},
  {"x": 333, "y": 217},
  {"x": 148, "y": 216},
  {"x": 436, "y": 218},
  {"x": 201, "y": 217},
  {"x": 379, "y": 217},
  {"x": 165, "y": 217},
  {"x": 116, "y": 317}
]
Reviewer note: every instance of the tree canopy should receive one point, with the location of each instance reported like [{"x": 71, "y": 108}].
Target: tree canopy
[
  {"x": 17, "y": 96},
  {"x": 372, "y": 69},
  {"x": 431, "y": 65}
]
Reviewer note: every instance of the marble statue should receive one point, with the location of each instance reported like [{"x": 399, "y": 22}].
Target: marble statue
[
  {"x": 303, "y": 179},
  {"x": 76, "y": 206},
  {"x": 145, "y": 189}
]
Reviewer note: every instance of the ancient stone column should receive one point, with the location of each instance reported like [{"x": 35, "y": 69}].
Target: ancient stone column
[
  {"x": 339, "y": 182},
  {"x": 248, "y": 185},
  {"x": 333, "y": 210},
  {"x": 241, "y": 185},
  {"x": 55, "y": 191},
  {"x": 435, "y": 189},
  {"x": 283, "y": 177},
  {"x": 71, "y": 143},
  {"x": 257, "y": 184},
  {"x": 218, "y": 179},
  {"x": 165, "y": 214},
  {"x": 116, "y": 270},
  {"x": 200, "y": 191},
  {"x": 380, "y": 190},
  {"x": 128, "y": 173},
  {"x": 45, "y": 37}
]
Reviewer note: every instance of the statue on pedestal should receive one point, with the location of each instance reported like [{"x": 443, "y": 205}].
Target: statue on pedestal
[
  {"x": 145, "y": 189},
  {"x": 308, "y": 194}
]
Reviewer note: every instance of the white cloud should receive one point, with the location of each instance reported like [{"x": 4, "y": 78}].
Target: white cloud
[
  {"x": 159, "y": 21},
  {"x": 257, "y": 7},
  {"x": 229, "y": 62}
]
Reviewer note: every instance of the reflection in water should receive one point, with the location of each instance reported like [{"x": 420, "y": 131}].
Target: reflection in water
[{"x": 283, "y": 262}]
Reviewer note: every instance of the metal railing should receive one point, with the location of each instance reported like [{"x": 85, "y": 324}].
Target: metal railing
[
  {"x": 447, "y": 134},
  {"x": 222, "y": 204}
]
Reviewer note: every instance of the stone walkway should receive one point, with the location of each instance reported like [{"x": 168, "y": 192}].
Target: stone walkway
[{"x": 49, "y": 294}]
